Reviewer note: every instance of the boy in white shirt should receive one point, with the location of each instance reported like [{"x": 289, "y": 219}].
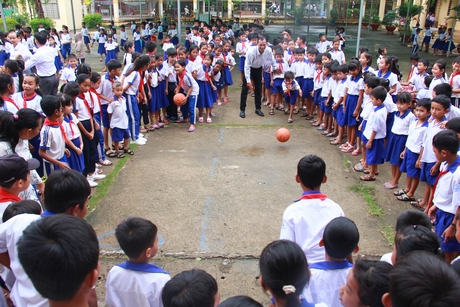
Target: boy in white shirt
[
  {"x": 136, "y": 282},
  {"x": 323, "y": 45},
  {"x": 119, "y": 120},
  {"x": 304, "y": 221},
  {"x": 336, "y": 53},
  {"x": 280, "y": 66},
  {"x": 68, "y": 73},
  {"x": 86, "y": 36}
]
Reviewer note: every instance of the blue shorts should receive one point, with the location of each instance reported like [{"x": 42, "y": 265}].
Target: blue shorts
[
  {"x": 352, "y": 102},
  {"x": 300, "y": 81},
  {"x": 334, "y": 114},
  {"x": 341, "y": 116},
  {"x": 390, "y": 121},
  {"x": 317, "y": 97},
  {"x": 105, "y": 116},
  {"x": 443, "y": 220},
  {"x": 374, "y": 155},
  {"x": 408, "y": 164},
  {"x": 292, "y": 97},
  {"x": 307, "y": 87},
  {"x": 86, "y": 40},
  {"x": 267, "y": 79},
  {"x": 119, "y": 135},
  {"x": 425, "y": 173},
  {"x": 277, "y": 87},
  {"x": 241, "y": 66}
]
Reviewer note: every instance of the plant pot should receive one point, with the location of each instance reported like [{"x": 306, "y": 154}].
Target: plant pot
[
  {"x": 390, "y": 29},
  {"x": 298, "y": 21},
  {"x": 364, "y": 25},
  {"x": 266, "y": 21},
  {"x": 407, "y": 39},
  {"x": 375, "y": 26}
]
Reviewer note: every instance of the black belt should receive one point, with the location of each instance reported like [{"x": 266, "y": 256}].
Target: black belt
[{"x": 47, "y": 76}]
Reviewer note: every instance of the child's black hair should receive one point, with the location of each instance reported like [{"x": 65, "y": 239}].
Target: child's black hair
[
  {"x": 66, "y": 189},
  {"x": 299, "y": 51},
  {"x": 416, "y": 237},
  {"x": 140, "y": 62},
  {"x": 457, "y": 60},
  {"x": 194, "y": 288},
  {"x": 379, "y": 93},
  {"x": 443, "y": 89},
  {"x": 456, "y": 267},
  {"x": 327, "y": 65},
  {"x": 82, "y": 78},
  {"x": 283, "y": 263},
  {"x": 113, "y": 65},
  {"x": 343, "y": 68},
  {"x": 404, "y": 97},
  {"x": 171, "y": 52},
  {"x": 57, "y": 253},
  {"x": 159, "y": 56},
  {"x": 412, "y": 217},
  {"x": 454, "y": 124},
  {"x": 355, "y": 65},
  {"x": 135, "y": 235},
  {"x": 424, "y": 62},
  {"x": 381, "y": 50},
  {"x": 424, "y": 103},
  {"x": 311, "y": 170},
  {"x": 318, "y": 58},
  {"x": 327, "y": 55},
  {"x": 84, "y": 69},
  {"x": 363, "y": 49},
  {"x": 427, "y": 80},
  {"x": 16, "y": 67},
  {"x": 418, "y": 271},
  {"x": 372, "y": 81},
  {"x": 312, "y": 50},
  {"x": 443, "y": 100},
  {"x": 242, "y": 301},
  {"x": 150, "y": 46},
  {"x": 446, "y": 140},
  {"x": 73, "y": 56},
  {"x": 394, "y": 68},
  {"x": 127, "y": 45},
  {"x": 71, "y": 88},
  {"x": 414, "y": 57},
  {"x": 340, "y": 237},
  {"x": 385, "y": 83},
  {"x": 95, "y": 76},
  {"x": 66, "y": 100},
  {"x": 23, "y": 206},
  {"x": 289, "y": 75},
  {"x": 373, "y": 280},
  {"x": 10, "y": 125},
  {"x": 50, "y": 104},
  {"x": 368, "y": 56}
]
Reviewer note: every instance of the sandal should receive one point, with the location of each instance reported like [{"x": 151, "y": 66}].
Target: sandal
[
  {"x": 405, "y": 197},
  {"x": 315, "y": 124},
  {"x": 367, "y": 178},
  {"x": 111, "y": 154},
  {"x": 336, "y": 142},
  {"x": 331, "y": 135},
  {"x": 106, "y": 163},
  {"x": 289, "y": 120},
  {"x": 129, "y": 151},
  {"x": 150, "y": 128},
  {"x": 368, "y": 170},
  {"x": 400, "y": 193},
  {"x": 358, "y": 168},
  {"x": 143, "y": 130},
  {"x": 119, "y": 155},
  {"x": 356, "y": 152},
  {"x": 296, "y": 110},
  {"x": 106, "y": 150},
  {"x": 417, "y": 206},
  {"x": 325, "y": 133},
  {"x": 304, "y": 114},
  {"x": 387, "y": 185},
  {"x": 166, "y": 121},
  {"x": 266, "y": 103},
  {"x": 272, "y": 111}
]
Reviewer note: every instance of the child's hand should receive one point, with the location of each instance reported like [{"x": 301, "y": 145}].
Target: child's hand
[
  {"x": 149, "y": 95},
  {"x": 67, "y": 152},
  {"x": 63, "y": 165},
  {"x": 356, "y": 113},
  {"x": 448, "y": 234},
  {"x": 418, "y": 164},
  {"x": 432, "y": 212},
  {"x": 110, "y": 99},
  {"x": 360, "y": 128},
  {"x": 271, "y": 83},
  {"x": 312, "y": 93},
  {"x": 369, "y": 144},
  {"x": 434, "y": 171},
  {"x": 213, "y": 88},
  {"x": 401, "y": 156},
  {"x": 97, "y": 126},
  {"x": 90, "y": 135},
  {"x": 78, "y": 151}
]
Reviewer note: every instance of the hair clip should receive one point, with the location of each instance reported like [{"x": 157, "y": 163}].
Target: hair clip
[
  {"x": 415, "y": 226},
  {"x": 288, "y": 289},
  {"x": 15, "y": 116}
]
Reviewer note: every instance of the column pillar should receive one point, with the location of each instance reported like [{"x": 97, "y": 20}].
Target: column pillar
[
  {"x": 381, "y": 9},
  {"x": 160, "y": 9},
  {"x": 116, "y": 11},
  {"x": 264, "y": 5},
  {"x": 230, "y": 9},
  {"x": 195, "y": 7}
]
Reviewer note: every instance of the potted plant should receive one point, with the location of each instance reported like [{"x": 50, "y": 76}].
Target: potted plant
[
  {"x": 266, "y": 20},
  {"x": 299, "y": 13},
  {"x": 375, "y": 22},
  {"x": 389, "y": 21},
  {"x": 413, "y": 11},
  {"x": 334, "y": 15},
  {"x": 365, "y": 22}
]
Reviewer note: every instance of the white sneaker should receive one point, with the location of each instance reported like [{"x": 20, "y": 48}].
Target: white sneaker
[
  {"x": 141, "y": 135},
  {"x": 92, "y": 183},
  {"x": 96, "y": 176},
  {"x": 138, "y": 142},
  {"x": 143, "y": 139}
]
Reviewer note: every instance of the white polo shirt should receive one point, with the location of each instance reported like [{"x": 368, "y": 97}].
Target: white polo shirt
[
  {"x": 189, "y": 81},
  {"x": 52, "y": 140},
  {"x": 66, "y": 38},
  {"x": 295, "y": 86},
  {"x": 32, "y": 102},
  {"x": 81, "y": 108},
  {"x": 276, "y": 65},
  {"x": 418, "y": 80},
  {"x": 339, "y": 90},
  {"x": 298, "y": 68},
  {"x": 309, "y": 71},
  {"x": 377, "y": 122},
  {"x": 416, "y": 135},
  {"x": 326, "y": 87},
  {"x": 389, "y": 104},
  {"x": 118, "y": 110},
  {"x": 338, "y": 55},
  {"x": 354, "y": 85},
  {"x": 401, "y": 122},
  {"x": 304, "y": 222},
  {"x": 106, "y": 88},
  {"x": 68, "y": 74},
  {"x": 133, "y": 80},
  {"x": 22, "y": 50},
  {"x": 367, "y": 107},
  {"x": 70, "y": 126},
  {"x": 428, "y": 155},
  {"x": 447, "y": 192}
]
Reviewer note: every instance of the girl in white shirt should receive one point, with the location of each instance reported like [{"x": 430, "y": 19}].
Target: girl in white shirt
[
  {"x": 75, "y": 142},
  {"x": 66, "y": 42},
  {"x": 101, "y": 40},
  {"x": 386, "y": 68},
  {"x": 186, "y": 83}
]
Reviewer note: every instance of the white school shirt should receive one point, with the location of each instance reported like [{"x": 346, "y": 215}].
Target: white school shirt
[
  {"x": 424, "y": 93},
  {"x": 428, "y": 155},
  {"x": 354, "y": 85},
  {"x": 322, "y": 46},
  {"x": 118, "y": 110},
  {"x": 189, "y": 82},
  {"x": 163, "y": 71},
  {"x": 153, "y": 76},
  {"x": 31, "y": 42},
  {"x": 167, "y": 46},
  {"x": 152, "y": 31},
  {"x": 455, "y": 81},
  {"x": 105, "y": 88},
  {"x": 32, "y": 102},
  {"x": 418, "y": 80},
  {"x": 304, "y": 222},
  {"x": 20, "y": 49},
  {"x": 102, "y": 39},
  {"x": 196, "y": 40},
  {"x": 288, "y": 56},
  {"x": 125, "y": 287},
  {"x": 133, "y": 79},
  {"x": 295, "y": 86},
  {"x": 339, "y": 90},
  {"x": 192, "y": 66},
  {"x": 338, "y": 55},
  {"x": 114, "y": 38},
  {"x": 416, "y": 135},
  {"x": 81, "y": 108},
  {"x": 171, "y": 73},
  {"x": 127, "y": 60},
  {"x": 85, "y": 32},
  {"x": 392, "y": 78},
  {"x": 124, "y": 35},
  {"x": 66, "y": 38},
  {"x": 276, "y": 65},
  {"x": 172, "y": 32},
  {"x": 94, "y": 101},
  {"x": 70, "y": 127},
  {"x": 110, "y": 46},
  {"x": 298, "y": 68},
  {"x": 377, "y": 122},
  {"x": 144, "y": 32},
  {"x": 136, "y": 36},
  {"x": 447, "y": 193},
  {"x": 367, "y": 107},
  {"x": 68, "y": 74},
  {"x": 389, "y": 104},
  {"x": 435, "y": 82},
  {"x": 309, "y": 71},
  {"x": 325, "y": 281},
  {"x": 201, "y": 75},
  {"x": 52, "y": 140},
  {"x": 318, "y": 80},
  {"x": 401, "y": 122},
  {"x": 242, "y": 47},
  {"x": 326, "y": 88},
  {"x": 23, "y": 293},
  {"x": 368, "y": 69},
  {"x": 453, "y": 112}
]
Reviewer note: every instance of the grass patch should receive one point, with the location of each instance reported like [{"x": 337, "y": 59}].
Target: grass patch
[
  {"x": 367, "y": 192},
  {"x": 104, "y": 185},
  {"x": 346, "y": 162},
  {"x": 388, "y": 233}
]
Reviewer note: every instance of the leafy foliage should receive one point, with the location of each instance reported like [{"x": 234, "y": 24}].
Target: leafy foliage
[
  {"x": 92, "y": 20},
  {"x": 10, "y": 23},
  {"x": 390, "y": 19},
  {"x": 22, "y": 19},
  {"x": 413, "y": 11},
  {"x": 34, "y": 23}
]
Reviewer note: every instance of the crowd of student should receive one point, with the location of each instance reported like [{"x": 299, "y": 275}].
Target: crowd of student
[{"x": 53, "y": 258}]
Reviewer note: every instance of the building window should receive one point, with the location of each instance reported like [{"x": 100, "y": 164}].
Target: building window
[{"x": 51, "y": 9}]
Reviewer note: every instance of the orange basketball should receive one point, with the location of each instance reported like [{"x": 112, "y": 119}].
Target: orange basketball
[
  {"x": 283, "y": 135},
  {"x": 179, "y": 99}
]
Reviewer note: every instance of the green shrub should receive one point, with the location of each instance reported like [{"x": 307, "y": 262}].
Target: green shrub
[
  {"x": 22, "y": 19},
  {"x": 34, "y": 23},
  {"x": 10, "y": 23},
  {"x": 92, "y": 20}
]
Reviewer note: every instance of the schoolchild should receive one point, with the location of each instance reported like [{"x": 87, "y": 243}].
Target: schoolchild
[
  {"x": 338, "y": 94},
  {"x": 111, "y": 49},
  {"x": 438, "y": 70},
  {"x": 75, "y": 142},
  {"x": 291, "y": 91},
  {"x": 279, "y": 67},
  {"x": 454, "y": 81},
  {"x": 119, "y": 122},
  {"x": 187, "y": 85},
  {"x": 309, "y": 74},
  {"x": 206, "y": 83},
  {"x": 101, "y": 43}
]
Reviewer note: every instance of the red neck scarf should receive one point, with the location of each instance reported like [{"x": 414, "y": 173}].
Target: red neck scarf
[
  {"x": 71, "y": 123},
  {"x": 280, "y": 65},
  {"x": 242, "y": 45},
  {"x": 318, "y": 74},
  {"x": 27, "y": 98},
  {"x": 141, "y": 86},
  {"x": 48, "y": 122},
  {"x": 5, "y": 98},
  {"x": 190, "y": 59},
  {"x": 181, "y": 79},
  {"x": 6, "y": 196},
  {"x": 92, "y": 90},
  {"x": 82, "y": 97},
  {"x": 206, "y": 72},
  {"x": 451, "y": 81},
  {"x": 314, "y": 194},
  {"x": 410, "y": 73}
]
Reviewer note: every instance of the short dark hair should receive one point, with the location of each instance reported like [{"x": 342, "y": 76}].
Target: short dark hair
[
  {"x": 113, "y": 64},
  {"x": 428, "y": 80},
  {"x": 150, "y": 46},
  {"x": 66, "y": 189},
  {"x": 373, "y": 280},
  {"x": 135, "y": 235},
  {"x": 23, "y": 206},
  {"x": 343, "y": 68},
  {"x": 372, "y": 81},
  {"x": 411, "y": 218},
  {"x": 194, "y": 288},
  {"x": 454, "y": 124},
  {"x": 57, "y": 253},
  {"x": 414, "y": 57},
  {"x": 443, "y": 89},
  {"x": 379, "y": 93},
  {"x": 242, "y": 301},
  {"x": 418, "y": 271},
  {"x": 41, "y": 37},
  {"x": 424, "y": 62},
  {"x": 50, "y": 104},
  {"x": 327, "y": 55},
  {"x": 404, "y": 97},
  {"x": 171, "y": 52},
  {"x": 416, "y": 237},
  {"x": 312, "y": 50},
  {"x": 303, "y": 38},
  {"x": 341, "y": 236},
  {"x": 446, "y": 140},
  {"x": 288, "y": 75},
  {"x": 443, "y": 100},
  {"x": 424, "y": 103},
  {"x": 311, "y": 170}
]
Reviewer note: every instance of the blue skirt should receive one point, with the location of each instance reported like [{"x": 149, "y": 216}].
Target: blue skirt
[
  {"x": 187, "y": 44},
  {"x": 101, "y": 48},
  {"x": 221, "y": 82},
  {"x": 352, "y": 102},
  {"x": 241, "y": 63},
  {"x": 426, "y": 39},
  {"x": 228, "y": 76},
  {"x": 163, "y": 101},
  {"x": 58, "y": 63},
  {"x": 307, "y": 88},
  {"x": 446, "y": 46},
  {"x": 390, "y": 121},
  {"x": 206, "y": 97},
  {"x": 86, "y": 40},
  {"x": 111, "y": 55},
  {"x": 317, "y": 97},
  {"x": 395, "y": 146},
  {"x": 154, "y": 102},
  {"x": 175, "y": 40},
  {"x": 138, "y": 46},
  {"x": 160, "y": 35},
  {"x": 438, "y": 44},
  {"x": 76, "y": 162},
  {"x": 408, "y": 164},
  {"x": 3, "y": 58},
  {"x": 117, "y": 50}
]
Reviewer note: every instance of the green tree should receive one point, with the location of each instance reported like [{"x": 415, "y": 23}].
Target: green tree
[{"x": 35, "y": 6}]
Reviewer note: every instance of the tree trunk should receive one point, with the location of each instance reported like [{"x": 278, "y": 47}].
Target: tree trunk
[{"x": 39, "y": 9}]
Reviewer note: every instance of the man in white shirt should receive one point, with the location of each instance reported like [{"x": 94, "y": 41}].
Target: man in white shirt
[
  {"x": 43, "y": 61},
  {"x": 18, "y": 50},
  {"x": 255, "y": 60}
]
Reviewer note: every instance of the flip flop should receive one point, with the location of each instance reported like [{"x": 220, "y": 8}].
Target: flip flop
[
  {"x": 404, "y": 197},
  {"x": 358, "y": 168},
  {"x": 399, "y": 193},
  {"x": 367, "y": 171},
  {"x": 191, "y": 129},
  {"x": 367, "y": 178},
  {"x": 387, "y": 185},
  {"x": 416, "y": 205}
]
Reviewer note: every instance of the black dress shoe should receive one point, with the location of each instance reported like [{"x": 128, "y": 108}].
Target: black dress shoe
[
  {"x": 259, "y": 112},
  {"x": 242, "y": 115}
]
